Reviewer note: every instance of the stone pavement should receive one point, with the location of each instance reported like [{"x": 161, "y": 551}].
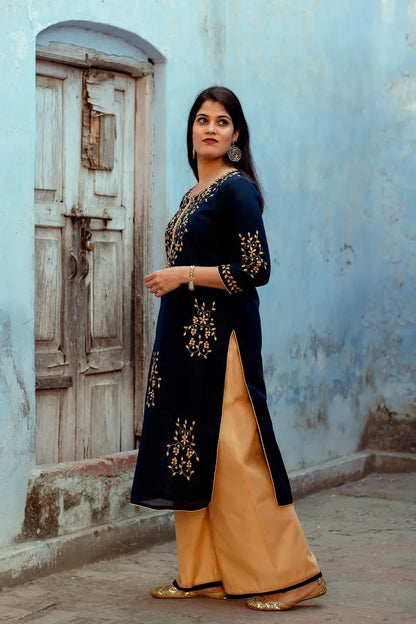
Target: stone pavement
[{"x": 363, "y": 534}]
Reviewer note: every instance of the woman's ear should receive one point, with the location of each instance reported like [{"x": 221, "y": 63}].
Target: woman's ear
[{"x": 236, "y": 135}]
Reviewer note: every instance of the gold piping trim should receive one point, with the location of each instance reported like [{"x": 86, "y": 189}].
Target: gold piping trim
[
  {"x": 169, "y": 509},
  {"x": 257, "y": 422}
]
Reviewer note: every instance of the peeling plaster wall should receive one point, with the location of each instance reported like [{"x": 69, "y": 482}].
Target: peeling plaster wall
[
  {"x": 390, "y": 313},
  {"x": 16, "y": 281},
  {"x": 329, "y": 90}
]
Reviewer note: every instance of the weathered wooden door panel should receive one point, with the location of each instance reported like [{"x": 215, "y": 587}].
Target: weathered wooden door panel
[
  {"x": 49, "y": 161},
  {"x": 106, "y": 310},
  {"x": 49, "y": 294},
  {"x": 49, "y": 409},
  {"x": 84, "y": 255},
  {"x": 55, "y": 431},
  {"x": 103, "y": 405},
  {"x": 56, "y": 176},
  {"x": 109, "y": 194}
]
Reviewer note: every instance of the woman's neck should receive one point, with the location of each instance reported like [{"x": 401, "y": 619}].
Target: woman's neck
[{"x": 209, "y": 171}]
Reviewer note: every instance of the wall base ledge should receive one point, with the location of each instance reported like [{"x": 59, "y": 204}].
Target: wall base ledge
[
  {"x": 24, "y": 561},
  {"x": 349, "y": 468}
]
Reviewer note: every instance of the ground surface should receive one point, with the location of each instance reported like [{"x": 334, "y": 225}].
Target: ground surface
[{"x": 363, "y": 534}]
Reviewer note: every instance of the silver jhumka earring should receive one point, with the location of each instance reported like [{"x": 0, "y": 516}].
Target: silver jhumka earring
[{"x": 234, "y": 153}]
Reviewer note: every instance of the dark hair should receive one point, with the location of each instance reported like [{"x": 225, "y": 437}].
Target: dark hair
[{"x": 233, "y": 107}]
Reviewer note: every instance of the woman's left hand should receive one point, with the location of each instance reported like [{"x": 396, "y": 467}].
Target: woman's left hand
[{"x": 164, "y": 280}]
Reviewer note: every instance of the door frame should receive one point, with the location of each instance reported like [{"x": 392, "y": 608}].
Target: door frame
[{"x": 143, "y": 72}]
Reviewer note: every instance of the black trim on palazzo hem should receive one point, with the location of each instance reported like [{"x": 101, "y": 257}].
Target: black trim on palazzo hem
[
  {"x": 196, "y": 587},
  {"x": 275, "y": 591}
]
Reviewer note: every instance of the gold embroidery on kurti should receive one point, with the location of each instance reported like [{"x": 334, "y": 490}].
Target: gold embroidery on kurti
[
  {"x": 201, "y": 330},
  {"x": 177, "y": 228},
  {"x": 229, "y": 280},
  {"x": 178, "y": 225},
  {"x": 252, "y": 254},
  {"x": 154, "y": 380},
  {"x": 182, "y": 450}
]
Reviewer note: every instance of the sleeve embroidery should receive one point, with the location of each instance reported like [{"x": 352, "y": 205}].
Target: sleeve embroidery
[
  {"x": 252, "y": 254},
  {"x": 228, "y": 279}
]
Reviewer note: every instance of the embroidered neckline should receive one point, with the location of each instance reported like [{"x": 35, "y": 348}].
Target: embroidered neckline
[
  {"x": 192, "y": 196},
  {"x": 178, "y": 225}
]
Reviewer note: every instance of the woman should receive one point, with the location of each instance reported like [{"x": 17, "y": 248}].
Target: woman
[{"x": 208, "y": 449}]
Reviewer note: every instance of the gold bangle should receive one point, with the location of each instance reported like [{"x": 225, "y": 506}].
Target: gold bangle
[{"x": 191, "y": 283}]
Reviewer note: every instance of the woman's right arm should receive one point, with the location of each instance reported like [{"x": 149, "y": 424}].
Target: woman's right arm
[
  {"x": 248, "y": 244},
  {"x": 164, "y": 280}
]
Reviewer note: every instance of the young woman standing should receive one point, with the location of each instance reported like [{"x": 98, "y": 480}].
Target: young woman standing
[{"x": 208, "y": 450}]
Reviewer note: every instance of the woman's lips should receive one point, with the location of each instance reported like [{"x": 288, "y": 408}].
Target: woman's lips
[{"x": 210, "y": 141}]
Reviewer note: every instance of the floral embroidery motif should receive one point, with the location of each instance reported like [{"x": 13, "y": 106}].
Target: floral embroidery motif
[
  {"x": 182, "y": 451},
  {"x": 201, "y": 330},
  {"x": 252, "y": 254},
  {"x": 229, "y": 280},
  {"x": 178, "y": 225},
  {"x": 177, "y": 228},
  {"x": 154, "y": 380}
]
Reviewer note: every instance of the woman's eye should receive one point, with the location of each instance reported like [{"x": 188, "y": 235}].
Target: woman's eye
[
  {"x": 223, "y": 122},
  {"x": 201, "y": 120}
]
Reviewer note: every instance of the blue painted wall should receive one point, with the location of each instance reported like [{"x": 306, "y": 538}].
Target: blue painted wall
[{"x": 329, "y": 90}]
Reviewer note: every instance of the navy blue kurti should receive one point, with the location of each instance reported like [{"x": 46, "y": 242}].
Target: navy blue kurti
[{"x": 221, "y": 226}]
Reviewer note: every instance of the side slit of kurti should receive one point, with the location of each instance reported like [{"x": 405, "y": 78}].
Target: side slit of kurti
[
  {"x": 234, "y": 335},
  {"x": 244, "y": 537},
  {"x": 254, "y": 413}
]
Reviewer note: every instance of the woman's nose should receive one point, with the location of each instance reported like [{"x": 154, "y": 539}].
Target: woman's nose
[{"x": 210, "y": 127}]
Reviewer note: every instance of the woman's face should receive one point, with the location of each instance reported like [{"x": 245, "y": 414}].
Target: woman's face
[{"x": 213, "y": 131}]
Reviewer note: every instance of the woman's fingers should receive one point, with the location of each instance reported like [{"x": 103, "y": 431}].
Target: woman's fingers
[
  {"x": 154, "y": 285},
  {"x": 163, "y": 281},
  {"x": 151, "y": 282}
]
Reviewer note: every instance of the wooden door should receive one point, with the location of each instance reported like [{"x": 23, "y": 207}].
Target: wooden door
[{"x": 84, "y": 207}]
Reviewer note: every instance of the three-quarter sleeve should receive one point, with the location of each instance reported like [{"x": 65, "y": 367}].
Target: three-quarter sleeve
[{"x": 248, "y": 250}]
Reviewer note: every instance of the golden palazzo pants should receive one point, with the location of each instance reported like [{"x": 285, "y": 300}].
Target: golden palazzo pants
[{"x": 243, "y": 539}]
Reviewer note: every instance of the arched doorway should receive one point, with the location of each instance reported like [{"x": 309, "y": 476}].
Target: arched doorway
[{"x": 94, "y": 92}]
